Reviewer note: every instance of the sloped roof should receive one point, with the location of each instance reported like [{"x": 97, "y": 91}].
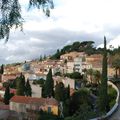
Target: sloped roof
[{"x": 33, "y": 100}]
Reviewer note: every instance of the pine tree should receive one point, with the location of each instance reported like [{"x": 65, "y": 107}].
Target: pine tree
[
  {"x": 49, "y": 85},
  {"x": 103, "y": 95},
  {"x": 21, "y": 85},
  {"x": 7, "y": 95},
  {"x": 28, "y": 89}
]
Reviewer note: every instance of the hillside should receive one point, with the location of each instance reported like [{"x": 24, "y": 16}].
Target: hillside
[{"x": 85, "y": 46}]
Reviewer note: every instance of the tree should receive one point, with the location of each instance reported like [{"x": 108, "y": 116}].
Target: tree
[
  {"x": 60, "y": 92},
  {"x": 116, "y": 64},
  {"x": 49, "y": 85},
  {"x": 74, "y": 75},
  {"x": 83, "y": 113},
  {"x": 56, "y": 55},
  {"x": 14, "y": 83},
  {"x": 84, "y": 81},
  {"x": 11, "y": 14},
  {"x": 28, "y": 88},
  {"x": 103, "y": 94},
  {"x": 97, "y": 76},
  {"x": 75, "y": 46},
  {"x": 66, "y": 49},
  {"x": 85, "y": 46},
  {"x": 7, "y": 95},
  {"x": 68, "y": 92},
  {"x": 90, "y": 73},
  {"x": 41, "y": 58},
  {"x": 44, "y": 58},
  {"x": 2, "y": 69},
  {"x": 78, "y": 98},
  {"x": 21, "y": 85}
]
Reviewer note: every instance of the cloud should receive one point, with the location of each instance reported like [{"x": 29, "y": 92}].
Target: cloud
[
  {"x": 71, "y": 20},
  {"x": 114, "y": 43}
]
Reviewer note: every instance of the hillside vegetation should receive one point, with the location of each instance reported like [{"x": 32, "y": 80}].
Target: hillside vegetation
[{"x": 85, "y": 46}]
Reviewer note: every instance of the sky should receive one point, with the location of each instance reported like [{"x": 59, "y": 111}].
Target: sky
[{"x": 70, "y": 20}]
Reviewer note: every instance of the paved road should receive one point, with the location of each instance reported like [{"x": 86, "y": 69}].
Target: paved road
[
  {"x": 116, "y": 115},
  {"x": 36, "y": 90}
]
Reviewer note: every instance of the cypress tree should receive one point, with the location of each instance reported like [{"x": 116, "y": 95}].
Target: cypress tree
[
  {"x": 49, "y": 85},
  {"x": 21, "y": 85},
  {"x": 28, "y": 89},
  {"x": 60, "y": 92},
  {"x": 68, "y": 92},
  {"x": 22, "y": 78},
  {"x": 2, "y": 69},
  {"x": 7, "y": 95},
  {"x": 103, "y": 95}
]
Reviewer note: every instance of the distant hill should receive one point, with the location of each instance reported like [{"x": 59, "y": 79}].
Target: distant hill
[{"x": 85, "y": 46}]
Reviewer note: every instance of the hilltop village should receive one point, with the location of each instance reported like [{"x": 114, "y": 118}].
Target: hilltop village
[{"x": 69, "y": 69}]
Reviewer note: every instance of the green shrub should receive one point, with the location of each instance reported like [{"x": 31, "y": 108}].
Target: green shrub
[{"x": 112, "y": 94}]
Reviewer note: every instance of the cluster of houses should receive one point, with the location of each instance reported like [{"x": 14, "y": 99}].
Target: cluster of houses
[
  {"x": 68, "y": 63},
  {"x": 35, "y": 70}
]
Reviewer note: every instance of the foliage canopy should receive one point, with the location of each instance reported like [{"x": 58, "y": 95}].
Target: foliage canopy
[{"x": 11, "y": 14}]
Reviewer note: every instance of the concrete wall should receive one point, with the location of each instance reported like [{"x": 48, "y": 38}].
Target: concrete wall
[{"x": 21, "y": 107}]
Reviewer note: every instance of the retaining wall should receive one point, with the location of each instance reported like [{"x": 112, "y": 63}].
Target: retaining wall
[{"x": 114, "y": 107}]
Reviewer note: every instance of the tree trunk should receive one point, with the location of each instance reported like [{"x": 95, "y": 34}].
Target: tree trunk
[
  {"x": 119, "y": 71},
  {"x": 116, "y": 76}
]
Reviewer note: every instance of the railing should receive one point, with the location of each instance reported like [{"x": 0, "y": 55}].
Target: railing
[{"x": 114, "y": 107}]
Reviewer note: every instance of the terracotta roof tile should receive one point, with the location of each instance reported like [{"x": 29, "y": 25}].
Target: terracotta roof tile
[{"x": 33, "y": 100}]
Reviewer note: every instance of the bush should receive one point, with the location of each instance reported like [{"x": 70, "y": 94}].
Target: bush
[
  {"x": 58, "y": 74},
  {"x": 112, "y": 94},
  {"x": 80, "y": 97},
  {"x": 83, "y": 113},
  {"x": 47, "y": 116},
  {"x": 5, "y": 84},
  {"x": 34, "y": 82},
  {"x": 39, "y": 82},
  {"x": 74, "y": 75}
]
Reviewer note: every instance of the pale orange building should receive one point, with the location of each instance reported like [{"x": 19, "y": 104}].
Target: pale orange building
[
  {"x": 95, "y": 60},
  {"x": 72, "y": 55},
  {"x": 23, "y": 104}
]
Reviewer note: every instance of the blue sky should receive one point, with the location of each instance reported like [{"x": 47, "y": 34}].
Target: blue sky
[{"x": 70, "y": 20}]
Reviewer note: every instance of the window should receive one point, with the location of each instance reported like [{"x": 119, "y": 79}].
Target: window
[{"x": 49, "y": 109}]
